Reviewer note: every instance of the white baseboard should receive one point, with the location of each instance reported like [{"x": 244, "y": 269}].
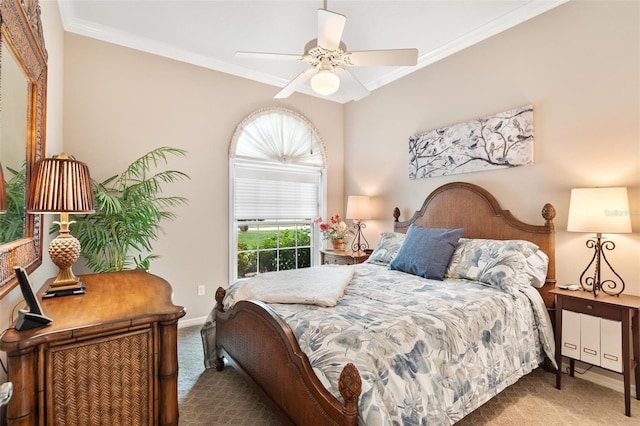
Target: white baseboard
[
  {"x": 191, "y": 321},
  {"x": 595, "y": 376}
]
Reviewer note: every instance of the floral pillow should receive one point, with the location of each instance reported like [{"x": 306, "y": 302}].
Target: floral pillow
[
  {"x": 498, "y": 263},
  {"x": 387, "y": 248}
]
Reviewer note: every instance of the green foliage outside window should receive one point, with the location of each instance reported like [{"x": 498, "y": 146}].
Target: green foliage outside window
[{"x": 273, "y": 250}]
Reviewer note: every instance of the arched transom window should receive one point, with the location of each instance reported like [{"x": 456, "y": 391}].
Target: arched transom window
[{"x": 277, "y": 175}]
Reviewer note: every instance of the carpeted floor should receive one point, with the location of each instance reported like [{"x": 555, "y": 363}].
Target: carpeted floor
[{"x": 209, "y": 397}]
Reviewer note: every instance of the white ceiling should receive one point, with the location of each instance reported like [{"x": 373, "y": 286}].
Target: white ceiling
[{"x": 208, "y": 32}]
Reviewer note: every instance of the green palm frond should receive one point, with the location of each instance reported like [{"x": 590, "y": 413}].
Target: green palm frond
[
  {"x": 129, "y": 210},
  {"x": 12, "y": 221}
]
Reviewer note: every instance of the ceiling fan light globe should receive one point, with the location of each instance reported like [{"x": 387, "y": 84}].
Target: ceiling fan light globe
[{"x": 325, "y": 83}]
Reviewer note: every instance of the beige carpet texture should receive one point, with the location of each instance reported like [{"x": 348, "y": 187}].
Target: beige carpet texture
[{"x": 209, "y": 397}]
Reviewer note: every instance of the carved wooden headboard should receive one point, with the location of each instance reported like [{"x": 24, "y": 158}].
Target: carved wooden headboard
[{"x": 468, "y": 206}]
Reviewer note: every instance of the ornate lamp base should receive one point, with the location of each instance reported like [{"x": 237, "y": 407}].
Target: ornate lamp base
[
  {"x": 359, "y": 243},
  {"x": 64, "y": 251},
  {"x": 595, "y": 283}
]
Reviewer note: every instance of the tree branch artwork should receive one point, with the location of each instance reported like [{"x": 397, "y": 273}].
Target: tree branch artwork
[{"x": 499, "y": 141}]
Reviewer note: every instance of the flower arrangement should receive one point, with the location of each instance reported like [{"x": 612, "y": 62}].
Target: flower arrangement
[{"x": 335, "y": 229}]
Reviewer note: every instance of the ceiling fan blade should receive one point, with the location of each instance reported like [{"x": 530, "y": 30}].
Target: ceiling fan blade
[
  {"x": 294, "y": 84},
  {"x": 392, "y": 57},
  {"x": 264, "y": 55},
  {"x": 351, "y": 85},
  {"x": 330, "y": 27}
]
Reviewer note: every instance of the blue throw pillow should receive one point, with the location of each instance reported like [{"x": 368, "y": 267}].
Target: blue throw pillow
[{"x": 426, "y": 252}]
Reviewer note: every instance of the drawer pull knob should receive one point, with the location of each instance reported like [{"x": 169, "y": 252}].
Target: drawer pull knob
[{"x": 589, "y": 307}]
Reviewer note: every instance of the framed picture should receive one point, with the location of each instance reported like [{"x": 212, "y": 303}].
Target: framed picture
[{"x": 495, "y": 142}]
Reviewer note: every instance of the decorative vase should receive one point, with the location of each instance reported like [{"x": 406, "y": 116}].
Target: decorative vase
[{"x": 337, "y": 244}]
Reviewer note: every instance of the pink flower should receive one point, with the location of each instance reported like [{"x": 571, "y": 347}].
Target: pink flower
[{"x": 335, "y": 229}]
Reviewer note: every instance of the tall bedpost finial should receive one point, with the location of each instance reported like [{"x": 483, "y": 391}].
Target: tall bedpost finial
[
  {"x": 396, "y": 214},
  {"x": 220, "y": 293},
  {"x": 548, "y": 212}
]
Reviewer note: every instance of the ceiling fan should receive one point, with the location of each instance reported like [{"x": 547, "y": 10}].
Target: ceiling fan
[{"x": 329, "y": 60}]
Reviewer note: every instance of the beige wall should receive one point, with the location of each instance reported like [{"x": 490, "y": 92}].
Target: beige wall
[
  {"x": 54, "y": 39},
  {"x": 121, "y": 103},
  {"x": 579, "y": 65}
]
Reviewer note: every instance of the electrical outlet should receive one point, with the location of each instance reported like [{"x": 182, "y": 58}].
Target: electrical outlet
[{"x": 200, "y": 290}]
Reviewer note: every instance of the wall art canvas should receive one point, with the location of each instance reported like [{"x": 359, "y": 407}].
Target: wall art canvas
[{"x": 495, "y": 142}]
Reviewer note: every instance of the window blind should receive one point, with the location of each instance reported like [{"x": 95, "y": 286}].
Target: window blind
[{"x": 282, "y": 193}]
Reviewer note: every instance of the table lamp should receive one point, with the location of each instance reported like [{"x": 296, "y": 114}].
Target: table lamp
[
  {"x": 358, "y": 209},
  {"x": 599, "y": 211},
  {"x": 62, "y": 185}
]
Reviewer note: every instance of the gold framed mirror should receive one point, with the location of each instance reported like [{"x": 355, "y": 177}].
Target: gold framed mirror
[{"x": 21, "y": 37}]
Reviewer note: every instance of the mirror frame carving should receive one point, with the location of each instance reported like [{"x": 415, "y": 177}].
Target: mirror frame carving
[{"x": 21, "y": 28}]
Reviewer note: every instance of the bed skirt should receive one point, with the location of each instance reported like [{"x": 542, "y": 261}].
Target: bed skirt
[{"x": 208, "y": 335}]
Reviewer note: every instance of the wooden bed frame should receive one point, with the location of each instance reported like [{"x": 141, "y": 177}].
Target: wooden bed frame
[{"x": 261, "y": 346}]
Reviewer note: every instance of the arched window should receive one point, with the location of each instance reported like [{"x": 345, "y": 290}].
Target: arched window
[{"x": 277, "y": 166}]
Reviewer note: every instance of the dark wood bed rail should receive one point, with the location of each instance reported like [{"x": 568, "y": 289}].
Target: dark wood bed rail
[{"x": 273, "y": 363}]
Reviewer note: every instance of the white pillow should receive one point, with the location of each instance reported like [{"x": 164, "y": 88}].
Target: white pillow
[{"x": 536, "y": 268}]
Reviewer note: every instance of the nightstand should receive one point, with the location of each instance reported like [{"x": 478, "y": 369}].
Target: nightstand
[
  {"x": 342, "y": 257},
  {"x": 599, "y": 331}
]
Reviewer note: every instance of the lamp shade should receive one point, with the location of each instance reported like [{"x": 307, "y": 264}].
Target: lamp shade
[
  {"x": 599, "y": 210},
  {"x": 358, "y": 207},
  {"x": 60, "y": 185},
  {"x": 325, "y": 82},
  {"x": 3, "y": 193}
]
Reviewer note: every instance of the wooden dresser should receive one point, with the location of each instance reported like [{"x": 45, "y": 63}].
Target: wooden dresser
[{"x": 109, "y": 356}]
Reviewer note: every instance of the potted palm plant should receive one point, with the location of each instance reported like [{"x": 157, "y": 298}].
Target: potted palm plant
[{"x": 129, "y": 209}]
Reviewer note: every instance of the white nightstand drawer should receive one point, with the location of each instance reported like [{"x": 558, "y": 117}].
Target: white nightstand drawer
[
  {"x": 590, "y": 339},
  {"x": 571, "y": 334},
  {"x": 611, "y": 345}
]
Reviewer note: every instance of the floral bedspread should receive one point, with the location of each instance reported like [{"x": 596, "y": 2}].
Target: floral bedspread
[{"x": 428, "y": 352}]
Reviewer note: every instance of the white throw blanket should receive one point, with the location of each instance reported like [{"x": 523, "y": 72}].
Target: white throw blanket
[{"x": 319, "y": 285}]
